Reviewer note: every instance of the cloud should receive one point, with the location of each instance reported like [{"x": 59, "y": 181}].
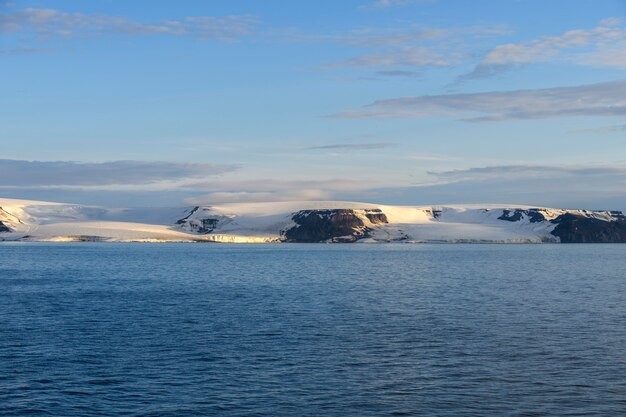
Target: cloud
[
  {"x": 270, "y": 189},
  {"x": 404, "y": 57},
  {"x": 24, "y": 50},
  {"x": 55, "y": 23},
  {"x": 413, "y": 34},
  {"x": 602, "y": 129},
  {"x": 582, "y": 186},
  {"x": 257, "y": 197},
  {"x": 384, "y": 4},
  {"x": 431, "y": 158},
  {"x": 406, "y": 48},
  {"x": 158, "y": 183},
  {"x": 354, "y": 146},
  {"x": 18, "y": 173},
  {"x": 602, "y": 46},
  {"x": 525, "y": 172},
  {"x": 398, "y": 74},
  {"x": 601, "y": 99}
]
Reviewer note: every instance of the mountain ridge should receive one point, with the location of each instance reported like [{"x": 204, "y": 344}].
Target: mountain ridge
[{"x": 308, "y": 222}]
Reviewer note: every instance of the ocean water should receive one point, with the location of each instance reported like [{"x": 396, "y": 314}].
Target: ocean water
[{"x": 312, "y": 330}]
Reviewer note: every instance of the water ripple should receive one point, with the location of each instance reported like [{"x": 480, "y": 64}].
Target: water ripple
[{"x": 309, "y": 330}]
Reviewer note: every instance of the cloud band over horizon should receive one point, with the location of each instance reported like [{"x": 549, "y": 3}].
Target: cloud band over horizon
[{"x": 600, "y": 99}]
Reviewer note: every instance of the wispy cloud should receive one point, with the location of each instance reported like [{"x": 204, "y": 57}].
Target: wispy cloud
[
  {"x": 525, "y": 172},
  {"x": 269, "y": 189},
  {"x": 354, "y": 146},
  {"x": 19, "y": 173},
  {"x": 403, "y": 57},
  {"x": 23, "y": 50},
  {"x": 384, "y": 4},
  {"x": 581, "y": 186},
  {"x": 257, "y": 197},
  {"x": 398, "y": 74},
  {"x": 46, "y": 23},
  {"x": 601, "y": 99},
  {"x": 135, "y": 180},
  {"x": 602, "y": 129},
  {"x": 404, "y": 49},
  {"x": 590, "y": 186},
  {"x": 431, "y": 158},
  {"x": 602, "y": 46},
  {"x": 412, "y": 34}
]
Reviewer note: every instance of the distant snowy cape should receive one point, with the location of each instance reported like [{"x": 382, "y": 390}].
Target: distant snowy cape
[{"x": 308, "y": 221}]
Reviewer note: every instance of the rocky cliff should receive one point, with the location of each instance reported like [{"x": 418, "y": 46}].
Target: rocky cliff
[
  {"x": 575, "y": 226},
  {"x": 200, "y": 220},
  {"x": 6, "y": 220},
  {"x": 333, "y": 225},
  {"x": 309, "y": 221}
]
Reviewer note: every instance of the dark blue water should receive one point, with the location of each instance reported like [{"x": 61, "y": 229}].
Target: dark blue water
[{"x": 309, "y": 330}]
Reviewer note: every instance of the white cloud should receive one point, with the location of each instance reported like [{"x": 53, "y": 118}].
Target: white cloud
[
  {"x": 526, "y": 172},
  {"x": 602, "y": 46},
  {"x": 602, "y": 129},
  {"x": 583, "y": 186},
  {"x": 52, "y": 22},
  {"x": 602, "y": 99},
  {"x": 271, "y": 189},
  {"x": 431, "y": 158},
  {"x": 403, "y": 57},
  {"x": 412, "y": 47},
  {"x": 255, "y": 197},
  {"x": 103, "y": 175},
  {"x": 384, "y": 4},
  {"x": 354, "y": 146}
]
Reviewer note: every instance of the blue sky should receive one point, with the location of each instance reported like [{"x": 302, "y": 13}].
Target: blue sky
[{"x": 390, "y": 101}]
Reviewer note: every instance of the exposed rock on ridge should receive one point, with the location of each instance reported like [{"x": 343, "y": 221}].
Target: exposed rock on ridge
[
  {"x": 333, "y": 225},
  {"x": 308, "y": 221},
  {"x": 534, "y": 215},
  {"x": 6, "y": 219},
  {"x": 576, "y": 228},
  {"x": 196, "y": 222}
]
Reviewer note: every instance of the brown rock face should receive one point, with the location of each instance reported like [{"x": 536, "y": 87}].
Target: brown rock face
[
  {"x": 376, "y": 216},
  {"x": 580, "y": 229},
  {"x": 578, "y": 226},
  {"x": 335, "y": 225}
]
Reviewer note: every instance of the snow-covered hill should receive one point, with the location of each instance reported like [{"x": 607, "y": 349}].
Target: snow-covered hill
[{"x": 322, "y": 221}]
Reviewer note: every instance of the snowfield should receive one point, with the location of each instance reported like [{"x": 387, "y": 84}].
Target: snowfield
[{"x": 271, "y": 222}]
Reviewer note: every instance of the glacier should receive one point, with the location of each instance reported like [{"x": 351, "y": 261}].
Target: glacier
[{"x": 308, "y": 221}]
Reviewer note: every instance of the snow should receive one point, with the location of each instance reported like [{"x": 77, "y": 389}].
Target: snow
[{"x": 265, "y": 222}]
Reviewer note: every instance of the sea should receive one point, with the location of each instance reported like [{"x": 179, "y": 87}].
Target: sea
[{"x": 184, "y": 329}]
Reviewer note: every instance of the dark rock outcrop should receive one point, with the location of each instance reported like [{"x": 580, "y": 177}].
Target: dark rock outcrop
[
  {"x": 376, "y": 216},
  {"x": 581, "y": 228},
  {"x": 202, "y": 225},
  {"x": 6, "y": 217},
  {"x": 332, "y": 225},
  {"x": 534, "y": 215},
  {"x": 576, "y": 226},
  {"x": 185, "y": 219}
]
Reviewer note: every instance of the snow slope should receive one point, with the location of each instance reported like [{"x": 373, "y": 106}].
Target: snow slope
[{"x": 268, "y": 222}]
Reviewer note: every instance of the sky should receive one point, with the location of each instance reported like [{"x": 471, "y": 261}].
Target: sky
[{"x": 409, "y": 102}]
